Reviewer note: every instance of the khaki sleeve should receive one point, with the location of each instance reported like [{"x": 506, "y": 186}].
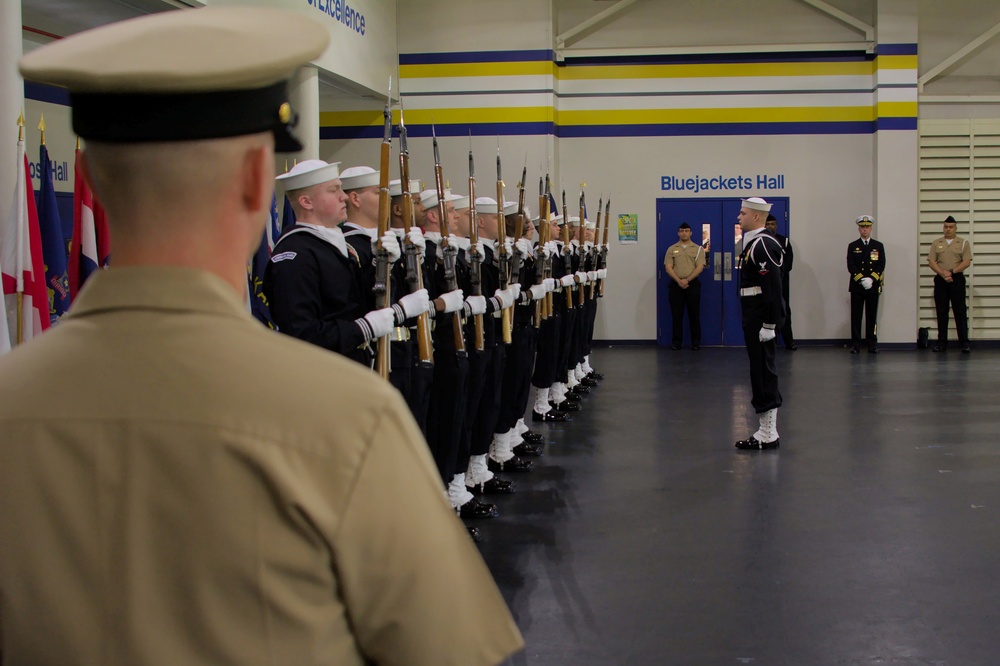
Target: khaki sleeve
[
  {"x": 700, "y": 258},
  {"x": 966, "y": 251},
  {"x": 416, "y": 588},
  {"x": 931, "y": 254}
]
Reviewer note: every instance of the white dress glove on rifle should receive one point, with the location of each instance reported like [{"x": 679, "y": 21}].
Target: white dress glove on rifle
[
  {"x": 582, "y": 277},
  {"x": 377, "y": 323},
  {"x": 475, "y": 305},
  {"x": 550, "y": 284},
  {"x": 592, "y": 276},
  {"x": 567, "y": 280},
  {"x": 866, "y": 282},
  {"x": 537, "y": 292},
  {"x": 411, "y": 305},
  {"x": 551, "y": 248},
  {"x": 476, "y": 249},
  {"x": 523, "y": 246},
  {"x": 390, "y": 244},
  {"x": 416, "y": 237},
  {"x": 515, "y": 290},
  {"x": 766, "y": 333},
  {"x": 508, "y": 245},
  {"x": 602, "y": 273},
  {"x": 453, "y": 301},
  {"x": 504, "y": 298}
]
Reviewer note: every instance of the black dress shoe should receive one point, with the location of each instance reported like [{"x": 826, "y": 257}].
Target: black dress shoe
[
  {"x": 515, "y": 464},
  {"x": 675, "y": 347},
  {"x": 752, "y": 444},
  {"x": 873, "y": 349},
  {"x": 939, "y": 348},
  {"x": 791, "y": 347},
  {"x": 966, "y": 349},
  {"x": 528, "y": 449},
  {"x": 474, "y": 509},
  {"x": 580, "y": 390},
  {"x": 533, "y": 437},
  {"x": 547, "y": 417},
  {"x": 474, "y": 533},
  {"x": 595, "y": 375},
  {"x": 586, "y": 381},
  {"x": 695, "y": 347},
  {"x": 495, "y": 486},
  {"x": 855, "y": 349},
  {"x": 566, "y": 406}
]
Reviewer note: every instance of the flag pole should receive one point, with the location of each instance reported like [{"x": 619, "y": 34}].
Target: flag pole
[{"x": 20, "y": 237}]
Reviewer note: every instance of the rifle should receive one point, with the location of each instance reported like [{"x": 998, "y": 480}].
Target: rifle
[
  {"x": 449, "y": 253},
  {"x": 414, "y": 276},
  {"x": 502, "y": 258},
  {"x": 543, "y": 225},
  {"x": 594, "y": 250},
  {"x": 381, "y": 287},
  {"x": 475, "y": 261},
  {"x": 567, "y": 259},
  {"x": 547, "y": 268},
  {"x": 518, "y": 260},
  {"x": 602, "y": 262},
  {"x": 582, "y": 295}
]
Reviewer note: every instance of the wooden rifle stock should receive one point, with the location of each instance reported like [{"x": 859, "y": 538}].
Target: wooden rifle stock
[
  {"x": 582, "y": 292},
  {"x": 567, "y": 259},
  {"x": 517, "y": 261},
  {"x": 503, "y": 261},
  {"x": 414, "y": 275},
  {"x": 603, "y": 255},
  {"x": 448, "y": 251},
  {"x": 594, "y": 252},
  {"x": 475, "y": 261},
  {"x": 543, "y": 225},
  {"x": 381, "y": 288}
]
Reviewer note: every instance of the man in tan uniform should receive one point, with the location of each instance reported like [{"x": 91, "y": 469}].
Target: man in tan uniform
[
  {"x": 948, "y": 257},
  {"x": 684, "y": 262},
  {"x": 210, "y": 492}
]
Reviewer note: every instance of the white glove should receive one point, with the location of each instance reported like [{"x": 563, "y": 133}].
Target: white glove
[
  {"x": 377, "y": 323},
  {"x": 550, "y": 249},
  {"x": 412, "y": 305},
  {"x": 390, "y": 244},
  {"x": 515, "y": 289},
  {"x": 766, "y": 334},
  {"x": 508, "y": 245},
  {"x": 453, "y": 300},
  {"x": 523, "y": 246},
  {"x": 866, "y": 282},
  {"x": 602, "y": 273},
  {"x": 505, "y": 298},
  {"x": 567, "y": 281},
  {"x": 592, "y": 276},
  {"x": 550, "y": 284},
  {"x": 582, "y": 277},
  {"x": 475, "y": 305},
  {"x": 416, "y": 237},
  {"x": 567, "y": 249},
  {"x": 476, "y": 249},
  {"x": 538, "y": 292}
]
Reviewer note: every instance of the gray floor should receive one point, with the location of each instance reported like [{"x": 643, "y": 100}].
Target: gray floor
[{"x": 870, "y": 537}]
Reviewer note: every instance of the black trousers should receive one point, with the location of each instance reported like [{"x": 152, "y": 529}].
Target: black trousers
[
  {"x": 786, "y": 330},
  {"x": 479, "y": 363},
  {"x": 412, "y": 379},
  {"x": 567, "y": 339},
  {"x": 447, "y": 410},
  {"x": 952, "y": 293},
  {"x": 763, "y": 371},
  {"x": 864, "y": 301},
  {"x": 489, "y": 404},
  {"x": 689, "y": 300},
  {"x": 547, "y": 352},
  {"x": 516, "y": 382}
]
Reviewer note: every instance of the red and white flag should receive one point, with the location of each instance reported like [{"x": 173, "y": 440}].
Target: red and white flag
[
  {"x": 26, "y": 298},
  {"x": 91, "y": 246}
]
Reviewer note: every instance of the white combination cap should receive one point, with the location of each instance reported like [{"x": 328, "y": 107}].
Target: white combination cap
[
  {"x": 756, "y": 203},
  {"x": 486, "y": 205},
  {"x": 396, "y": 187},
  {"x": 308, "y": 173},
  {"x": 429, "y": 198},
  {"x": 357, "y": 177},
  {"x": 865, "y": 221}
]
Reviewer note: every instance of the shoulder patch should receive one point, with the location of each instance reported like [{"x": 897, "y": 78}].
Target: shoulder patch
[{"x": 282, "y": 256}]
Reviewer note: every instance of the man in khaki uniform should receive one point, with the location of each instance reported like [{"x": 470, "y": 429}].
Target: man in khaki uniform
[
  {"x": 684, "y": 262},
  {"x": 210, "y": 492},
  {"x": 948, "y": 257}
]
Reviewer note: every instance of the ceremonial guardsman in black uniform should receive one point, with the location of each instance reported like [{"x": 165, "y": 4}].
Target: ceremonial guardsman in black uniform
[
  {"x": 763, "y": 312},
  {"x": 314, "y": 283},
  {"x": 786, "y": 268},
  {"x": 866, "y": 264}
]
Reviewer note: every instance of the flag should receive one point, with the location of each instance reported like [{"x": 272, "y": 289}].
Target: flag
[
  {"x": 287, "y": 216},
  {"x": 53, "y": 241},
  {"x": 256, "y": 301},
  {"x": 4, "y": 329},
  {"x": 553, "y": 206},
  {"x": 21, "y": 259},
  {"x": 90, "y": 248}
]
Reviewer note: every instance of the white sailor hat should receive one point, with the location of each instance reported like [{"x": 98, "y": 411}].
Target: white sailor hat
[
  {"x": 429, "y": 198},
  {"x": 573, "y": 220},
  {"x": 357, "y": 177},
  {"x": 486, "y": 205},
  {"x": 308, "y": 173},
  {"x": 865, "y": 221},
  {"x": 509, "y": 207},
  {"x": 461, "y": 203},
  {"x": 587, "y": 224},
  {"x": 396, "y": 187},
  {"x": 756, "y": 203},
  {"x": 183, "y": 76}
]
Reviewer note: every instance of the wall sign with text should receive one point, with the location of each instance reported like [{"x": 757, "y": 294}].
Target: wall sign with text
[{"x": 720, "y": 183}]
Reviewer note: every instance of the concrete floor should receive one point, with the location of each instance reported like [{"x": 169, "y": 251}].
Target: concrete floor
[{"x": 872, "y": 536}]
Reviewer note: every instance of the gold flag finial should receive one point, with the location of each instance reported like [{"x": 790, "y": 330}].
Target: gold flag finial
[
  {"x": 20, "y": 128},
  {"x": 41, "y": 126},
  {"x": 78, "y": 143},
  {"x": 583, "y": 185}
]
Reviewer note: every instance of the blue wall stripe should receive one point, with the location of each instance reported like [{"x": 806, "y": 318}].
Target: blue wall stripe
[
  {"x": 457, "y": 129},
  {"x": 40, "y": 92},
  {"x": 897, "y": 49},
  {"x": 897, "y": 123},
  {"x": 546, "y": 55},
  {"x": 716, "y": 129},
  {"x": 721, "y": 58}
]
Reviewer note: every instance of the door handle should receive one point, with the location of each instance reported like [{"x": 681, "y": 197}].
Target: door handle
[
  {"x": 729, "y": 266},
  {"x": 717, "y": 266}
]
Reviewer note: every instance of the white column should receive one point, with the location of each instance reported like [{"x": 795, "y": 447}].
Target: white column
[
  {"x": 304, "y": 92},
  {"x": 896, "y": 176},
  {"x": 11, "y": 98}
]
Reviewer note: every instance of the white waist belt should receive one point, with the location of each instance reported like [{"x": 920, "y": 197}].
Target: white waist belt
[{"x": 751, "y": 291}]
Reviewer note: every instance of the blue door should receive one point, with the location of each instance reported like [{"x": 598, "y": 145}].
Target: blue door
[{"x": 714, "y": 221}]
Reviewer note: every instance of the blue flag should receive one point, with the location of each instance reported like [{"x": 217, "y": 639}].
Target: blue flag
[
  {"x": 258, "y": 264},
  {"x": 287, "y": 215},
  {"x": 53, "y": 244}
]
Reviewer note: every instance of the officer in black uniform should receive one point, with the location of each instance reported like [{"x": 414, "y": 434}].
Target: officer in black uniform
[
  {"x": 866, "y": 264},
  {"x": 763, "y": 313},
  {"x": 786, "y": 267}
]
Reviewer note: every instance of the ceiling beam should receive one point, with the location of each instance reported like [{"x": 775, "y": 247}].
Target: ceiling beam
[
  {"x": 960, "y": 56},
  {"x": 855, "y": 24},
  {"x": 593, "y": 23}
]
